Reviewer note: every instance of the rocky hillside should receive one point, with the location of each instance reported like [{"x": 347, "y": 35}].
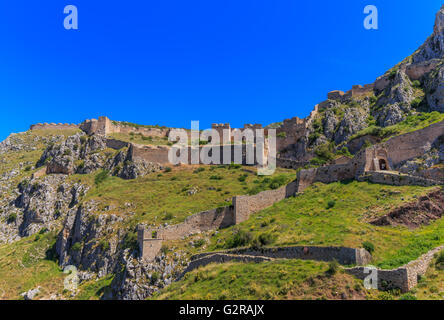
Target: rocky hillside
[{"x": 68, "y": 199}]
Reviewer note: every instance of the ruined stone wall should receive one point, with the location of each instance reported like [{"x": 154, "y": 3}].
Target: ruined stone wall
[
  {"x": 201, "y": 222},
  {"x": 244, "y": 206},
  {"x": 345, "y": 256},
  {"x": 156, "y": 154},
  {"x": 404, "y": 278},
  {"x": 290, "y": 163},
  {"x": 116, "y": 144},
  {"x": 53, "y": 126},
  {"x": 326, "y": 174},
  {"x": 148, "y": 246},
  {"x": 396, "y": 179},
  {"x": 105, "y": 126},
  {"x": 220, "y": 258},
  {"x": 414, "y": 144}
]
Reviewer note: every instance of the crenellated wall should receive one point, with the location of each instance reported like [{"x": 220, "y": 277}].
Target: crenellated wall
[{"x": 53, "y": 126}]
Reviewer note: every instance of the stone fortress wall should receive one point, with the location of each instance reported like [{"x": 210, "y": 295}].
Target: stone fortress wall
[
  {"x": 242, "y": 208},
  {"x": 53, "y": 126},
  {"x": 404, "y": 278},
  {"x": 345, "y": 256},
  {"x": 375, "y": 163}
]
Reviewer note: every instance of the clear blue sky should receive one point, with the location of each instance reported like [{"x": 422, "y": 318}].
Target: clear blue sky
[{"x": 169, "y": 62}]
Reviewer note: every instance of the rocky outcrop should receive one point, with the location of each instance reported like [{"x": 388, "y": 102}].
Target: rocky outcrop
[
  {"x": 138, "y": 279},
  {"x": 90, "y": 241},
  {"x": 44, "y": 201}
]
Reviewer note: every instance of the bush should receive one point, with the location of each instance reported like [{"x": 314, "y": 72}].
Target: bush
[
  {"x": 234, "y": 166},
  {"x": 368, "y": 246},
  {"x": 198, "y": 170},
  {"x": 242, "y": 178},
  {"x": 407, "y": 296},
  {"x": 216, "y": 178},
  {"x": 240, "y": 238},
  {"x": 416, "y": 84},
  {"x": 67, "y": 152},
  {"x": 199, "y": 243},
  {"x": 12, "y": 218},
  {"x": 76, "y": 246},
  {"x": 130, "y": 241},
  {"x": 331, "y": 204},
  {"x": 101, "y": 177},
  {"x": 439, "y": 264},
  {"x": 28, "y": 168},
  {"x": 167, "y": 169},
  {"x": 168, "y": 216},
  {"x": 333, "y": 267},
  {"x": 281, "y": 135},
  {"x": 266, "y": 239}
]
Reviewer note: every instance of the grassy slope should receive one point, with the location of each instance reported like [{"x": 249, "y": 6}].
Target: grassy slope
[
  {"x": 306, "y": 220},
  {"x": 158, "y": 194},
  {"x": 139, "y": 139},
  {"x": 24, "y": 266},
  {"x": 285, "y": 279}
]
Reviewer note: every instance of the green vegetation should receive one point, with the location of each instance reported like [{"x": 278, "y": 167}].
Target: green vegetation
[
  {"x": 411, "y": 123},
  {"x": 27, "y": 264},
  {"x": 305, "y": 220},
  {"x": 367, "y": 245},
  {"x": 281, "y": 279}
]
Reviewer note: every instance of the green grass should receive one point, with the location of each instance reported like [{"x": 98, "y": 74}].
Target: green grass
[
  {"x": 139, "y": 139},
  {"x": 26, "y": 264},
  {"x": 157, "y": 195},
  {"x": 280, "y": 279},
  {"x": 94, "y": 289},
  {"x": 308, "y": 219},
  {"x": 410, "y": 124}
]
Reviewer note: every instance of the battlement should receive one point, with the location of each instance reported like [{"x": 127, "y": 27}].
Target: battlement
[{"x": 53, "y": 126}]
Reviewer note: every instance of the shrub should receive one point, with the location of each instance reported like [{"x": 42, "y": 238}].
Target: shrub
[
  {"x": 168, "y": 216},
  {"x": 198, "y": 170},
  {"x": 83, "y": 139},
  {"x": 331, "y": 204},
  {"x": 281, "y": 135},
  {"x": 167, "y": 169},
  {"x": 12, "y": 218},
  {"x": 130, "y": 241},
  {"x": 333, "y": 267},
  {"x": 368, "y": 246},
  {"x": 439, "y": 264},
  {"x": 242, "y": 178},
  {"x": 234, "y": 166},
  {"x": 76, "y": 246},
  {"x": 43, "y": 231},
  {"x": 28, "y": 168},
  {"x": 67, "y": 152},
  {"x": 266, "y": 239},
  {"x": 407, "y": 296},
  {"x": 199, "y": 243},
  {"x": 155, "y": 276},
  {"x": 416, "y": 84},
  {"x": 240, "y": 238},
  {"x": 104, "y": 244},
  {"x": 215, "y": 177},
  {"x": 101, "y": 177}
]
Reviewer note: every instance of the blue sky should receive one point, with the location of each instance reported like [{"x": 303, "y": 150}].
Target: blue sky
[{"x": 169, "y": 62}]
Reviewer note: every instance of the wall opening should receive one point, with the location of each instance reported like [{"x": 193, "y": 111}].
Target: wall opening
[{"x": 382, "y": 165}]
